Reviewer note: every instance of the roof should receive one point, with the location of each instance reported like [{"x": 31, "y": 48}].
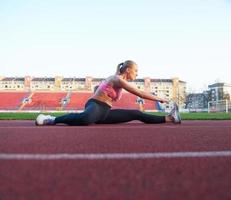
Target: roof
[
  {"x": 13, "y": 79},
  {"x": 43, "y": 79}
]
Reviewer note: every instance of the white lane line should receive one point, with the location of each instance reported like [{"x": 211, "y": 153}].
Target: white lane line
[{"x": 111, "y": 156}]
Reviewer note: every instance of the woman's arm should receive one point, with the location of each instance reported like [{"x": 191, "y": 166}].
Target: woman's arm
[{"x": 145, "y": 95}]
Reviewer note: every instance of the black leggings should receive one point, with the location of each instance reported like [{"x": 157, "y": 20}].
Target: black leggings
[{"x": 100, "y": 113}]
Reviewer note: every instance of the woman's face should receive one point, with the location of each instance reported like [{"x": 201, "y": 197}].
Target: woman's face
[{"x": 132, "y": 72}]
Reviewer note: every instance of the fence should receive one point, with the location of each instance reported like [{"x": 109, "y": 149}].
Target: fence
[{"x": 219, "y": 106}]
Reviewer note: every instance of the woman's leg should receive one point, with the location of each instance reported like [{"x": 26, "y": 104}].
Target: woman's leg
[
  {"x": 122, "y": 115},
  {"x": 93, "y": 112}
]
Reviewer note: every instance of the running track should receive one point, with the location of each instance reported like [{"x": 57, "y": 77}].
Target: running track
[{"x": 124, "y": 161}]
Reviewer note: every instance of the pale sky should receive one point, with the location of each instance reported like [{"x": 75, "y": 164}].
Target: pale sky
[{"x": 189, "y": 39}]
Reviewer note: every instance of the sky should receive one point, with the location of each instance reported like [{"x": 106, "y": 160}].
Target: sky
[{"x": 189, "y": 39}]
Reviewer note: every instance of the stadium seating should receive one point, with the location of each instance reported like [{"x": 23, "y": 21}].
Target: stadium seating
[
  {"x": 129, "y": 101},
  {"x": 77, "y": 100},
  {"x": 11, "y": 100},
  {"x": 45, "y": 101},
  {"x": 62, "y": 101}
]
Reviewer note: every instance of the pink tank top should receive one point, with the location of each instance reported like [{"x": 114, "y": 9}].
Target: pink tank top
[{"x": 113, "y": 92}]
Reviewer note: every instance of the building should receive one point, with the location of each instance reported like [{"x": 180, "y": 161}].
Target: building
[
  {"x": 217, "y": 92},
  {"x": 12, "y": 83},
  {"x": 220, "y": 91},
  {"x": 197, "y": 102}
]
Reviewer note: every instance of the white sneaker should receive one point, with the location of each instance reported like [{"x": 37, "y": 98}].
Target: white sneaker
[
  {"x": 174, "y": 113},
  {"x": 44, "y": 120}
]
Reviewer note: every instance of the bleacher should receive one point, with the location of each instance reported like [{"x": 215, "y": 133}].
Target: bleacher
[
  {"x": 77, "y": 100},
  {"x": 129, "y": 101},
  {"x": 11, "y": 100},
  {"x": 45, "y": 101},
  {"x": 62, "y": 101}
]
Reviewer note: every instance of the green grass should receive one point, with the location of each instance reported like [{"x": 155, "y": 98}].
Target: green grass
[
  {"x": 206, "y": 116},
  {"x": 203, "y": 116},
  {"x": 185, "y": 116},
  {"x": 24, "y": 116}
]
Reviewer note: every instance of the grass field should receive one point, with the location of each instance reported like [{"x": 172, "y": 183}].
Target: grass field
[{"x": 185, "y": 116}]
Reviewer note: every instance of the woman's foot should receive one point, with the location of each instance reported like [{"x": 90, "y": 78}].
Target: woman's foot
[
  {"x": 174, "y": 115},
  {"x": 44, "y": 120}
]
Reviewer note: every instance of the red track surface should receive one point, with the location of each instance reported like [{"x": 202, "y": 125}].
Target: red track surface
[{"x": 148, "y": 178}]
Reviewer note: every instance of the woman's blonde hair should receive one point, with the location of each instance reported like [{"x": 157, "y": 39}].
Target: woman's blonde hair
[{"x": 121, "y": 68}]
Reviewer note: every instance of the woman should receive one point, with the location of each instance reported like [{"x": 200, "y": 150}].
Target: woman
[{"x": 98, "y": 107}]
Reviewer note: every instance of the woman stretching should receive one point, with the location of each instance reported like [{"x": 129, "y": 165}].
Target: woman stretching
[{"x": 98, "y": 107}]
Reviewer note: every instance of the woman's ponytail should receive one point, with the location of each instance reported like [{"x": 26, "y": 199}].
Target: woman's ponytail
[{"x": 118, "y": 69}]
